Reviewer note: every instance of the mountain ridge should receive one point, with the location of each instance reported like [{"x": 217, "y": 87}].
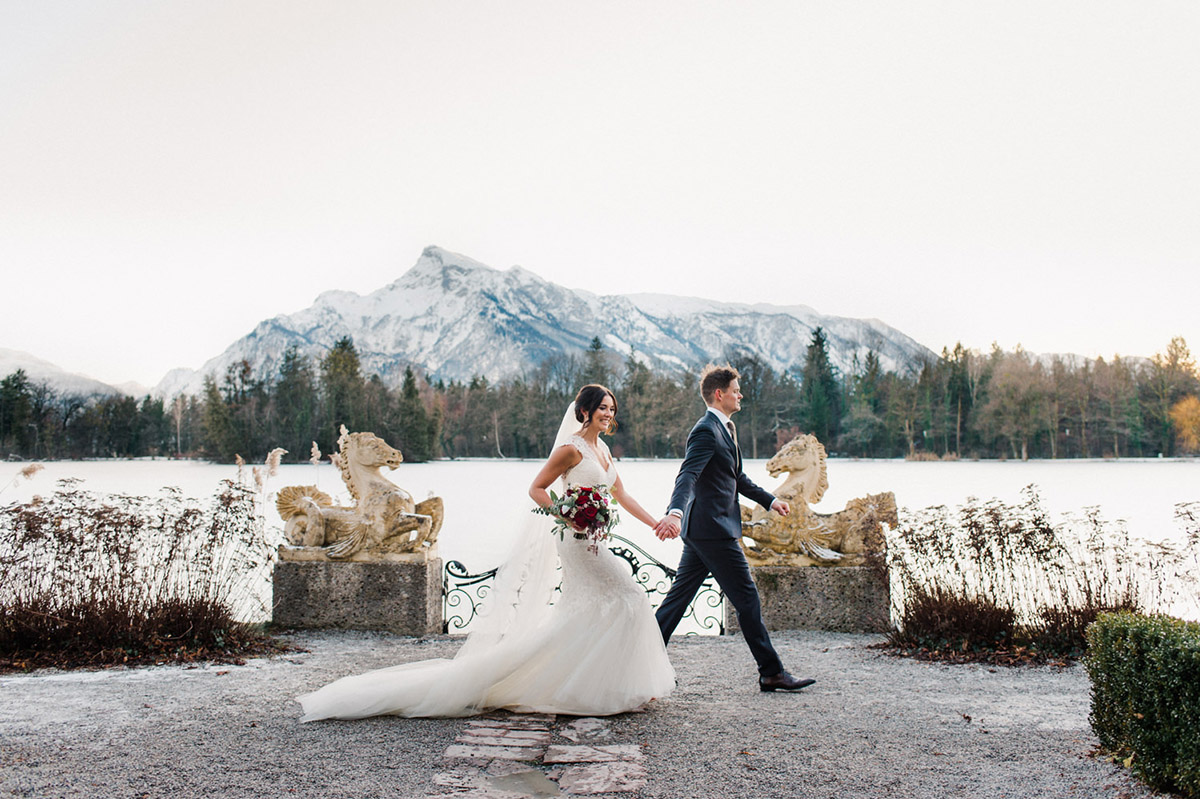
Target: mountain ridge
[
  {"x": 39, "y": 371},
  {"x": 455, "y": 318}
]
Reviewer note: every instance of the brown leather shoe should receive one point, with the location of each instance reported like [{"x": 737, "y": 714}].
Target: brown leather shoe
[{"x": 782, "y": 682}]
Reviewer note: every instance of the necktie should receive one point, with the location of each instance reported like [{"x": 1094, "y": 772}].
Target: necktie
[{"x": 733, "y": 434}]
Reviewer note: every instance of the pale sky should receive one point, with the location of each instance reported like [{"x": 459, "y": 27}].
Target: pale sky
[{"x": 172, "y": 173}]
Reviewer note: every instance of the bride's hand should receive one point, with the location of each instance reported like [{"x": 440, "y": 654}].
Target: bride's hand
[{"x": 667, "y": 527}]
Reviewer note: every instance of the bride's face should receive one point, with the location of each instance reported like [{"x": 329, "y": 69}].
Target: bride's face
[{"x": 603, "y": 415}]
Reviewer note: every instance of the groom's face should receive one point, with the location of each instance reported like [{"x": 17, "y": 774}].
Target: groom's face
[{"x": 729, "y": 400}]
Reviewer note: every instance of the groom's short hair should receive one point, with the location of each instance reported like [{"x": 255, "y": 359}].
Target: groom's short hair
[{"x": 716, "y": 377}]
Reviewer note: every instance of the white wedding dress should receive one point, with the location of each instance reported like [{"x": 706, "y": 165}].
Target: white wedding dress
[{"x": 596, "y": 651}]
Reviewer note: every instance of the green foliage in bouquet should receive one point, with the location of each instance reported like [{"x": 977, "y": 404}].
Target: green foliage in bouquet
[{"x": 586, "y": 511}]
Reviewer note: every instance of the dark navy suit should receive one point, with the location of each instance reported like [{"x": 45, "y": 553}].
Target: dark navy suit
[{"x": 707, "y": 490}]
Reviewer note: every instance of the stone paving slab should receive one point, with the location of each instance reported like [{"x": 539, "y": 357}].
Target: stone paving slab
[
  {"x": 593, "y": 754},
  {"x": 486, "y": 768},
  {"x": 586, "y": 729},
  {"x": 496, "y": 740},
  {"x": 509, "y": 737},
  {"x": 527, "y": 782},
  {"x": 603, "y": 778},
  {"x": 502, "y": 768},
  {"x": 523, "y": 721},
  {"x": 468, "y": 752}
]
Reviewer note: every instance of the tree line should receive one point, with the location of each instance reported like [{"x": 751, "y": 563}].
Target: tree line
[{"x": 963, "y": 404}]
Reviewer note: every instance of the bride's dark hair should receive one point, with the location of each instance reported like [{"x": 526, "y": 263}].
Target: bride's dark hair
[{"x": 588, "y": 400}]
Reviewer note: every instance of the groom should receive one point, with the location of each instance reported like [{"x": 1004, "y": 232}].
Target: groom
[{"x": 705, "y": 508}]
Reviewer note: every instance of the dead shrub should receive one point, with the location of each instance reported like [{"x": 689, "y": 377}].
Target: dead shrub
[
  {"x": 89, "y": 579},
  {"x": 1000, "y": 580}
]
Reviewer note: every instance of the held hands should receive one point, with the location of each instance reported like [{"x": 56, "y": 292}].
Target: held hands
[{"x": 667, "y": 527}]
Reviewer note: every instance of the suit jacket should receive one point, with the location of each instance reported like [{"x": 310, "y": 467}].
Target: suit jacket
[{"x": 709, "y": 481}]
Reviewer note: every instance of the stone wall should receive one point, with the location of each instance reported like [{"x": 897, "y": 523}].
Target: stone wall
[
  {"x": 404, "y": 598},
  {"x": 849, "y": 599}
]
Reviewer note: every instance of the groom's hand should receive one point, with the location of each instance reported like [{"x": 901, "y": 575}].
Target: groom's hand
[
  {"x": 781, "y": 507},
  {"x": 667, "y": 527}
]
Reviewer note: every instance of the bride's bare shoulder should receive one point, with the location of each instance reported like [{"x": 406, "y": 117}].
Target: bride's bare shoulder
[{"x": 568, "y": 452}]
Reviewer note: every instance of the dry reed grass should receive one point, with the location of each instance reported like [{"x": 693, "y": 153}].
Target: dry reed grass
[
  {"x": 91, "y": 580},
  {"x": 1000, "y": 582}
]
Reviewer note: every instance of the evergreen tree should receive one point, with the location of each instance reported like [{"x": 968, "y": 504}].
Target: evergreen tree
[
  {"x": 153, "y": 427},
  {"x": 595, "y": 366},
  {"x": 219, "y": 441},
  {"x": 480, "y": 424},
  {"x": 1117, "y": 395},
  {"x": 121, "y": 417},
  {"x": 295, "y": 401},
  {"x": 16, "y": 436},
  {"x": 902, "y": 412},
  {"x": 635, "y": 425},
  {"x": 863, "y": 427},
  {"x": 959, "y": 395},
  {"x": 378, "y": 408},
  {"x": 342, "y": 385},
  {"x": 820, "y": 399},
  {"x": 248, "y": 409},
  {"x": 415, "y": 429}
]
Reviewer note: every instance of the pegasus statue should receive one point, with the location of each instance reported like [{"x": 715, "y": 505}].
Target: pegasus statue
[
  {"x": 805, "y": 537},
  {"x": 383, "y": 524}
]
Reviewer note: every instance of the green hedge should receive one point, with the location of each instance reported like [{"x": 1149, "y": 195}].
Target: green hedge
[{"x": 1145, "y": 673}]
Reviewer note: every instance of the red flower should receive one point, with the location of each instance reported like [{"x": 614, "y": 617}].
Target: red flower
[{"x": 585, "y": 509}]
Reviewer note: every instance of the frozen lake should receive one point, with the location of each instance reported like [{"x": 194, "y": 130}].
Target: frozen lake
[{"x": 485, "y": 499}]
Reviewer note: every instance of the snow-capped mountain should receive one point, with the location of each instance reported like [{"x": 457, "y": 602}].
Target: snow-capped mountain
[
  {"x": 456, "y": 318},
  {"x": 39, "y": 371}
]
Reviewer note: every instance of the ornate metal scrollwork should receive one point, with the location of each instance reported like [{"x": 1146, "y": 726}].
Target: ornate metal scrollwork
[{"x": 464, "y": 593}]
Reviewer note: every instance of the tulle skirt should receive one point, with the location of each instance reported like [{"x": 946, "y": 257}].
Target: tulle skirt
[{"x": 596, "y": 651}]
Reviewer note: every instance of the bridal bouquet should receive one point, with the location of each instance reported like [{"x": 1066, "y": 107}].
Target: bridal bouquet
[{"x": 589, "y": 512}]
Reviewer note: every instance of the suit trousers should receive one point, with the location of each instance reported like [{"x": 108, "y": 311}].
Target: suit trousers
[{"x": 724, "y": 559}]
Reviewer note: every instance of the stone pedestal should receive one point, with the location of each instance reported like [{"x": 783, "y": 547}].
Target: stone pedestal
[
  {"x": 845, "y": 599},
  {"x": 404, "y": 598}
]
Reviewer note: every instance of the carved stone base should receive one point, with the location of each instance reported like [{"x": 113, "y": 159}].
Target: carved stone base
[
  {"x": 845, "y": 599},
  {"x": 404, "y": 598},
  {"x": 321, "y": 555}
]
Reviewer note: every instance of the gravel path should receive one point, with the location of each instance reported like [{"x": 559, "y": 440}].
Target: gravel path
[{"x": 872, "y": 726}]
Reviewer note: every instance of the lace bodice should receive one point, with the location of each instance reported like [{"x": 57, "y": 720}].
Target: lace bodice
[{"x": 590, "y": 471}]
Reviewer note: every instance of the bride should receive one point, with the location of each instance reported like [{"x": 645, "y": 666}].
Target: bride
[{"x": 596, "y": 651}]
